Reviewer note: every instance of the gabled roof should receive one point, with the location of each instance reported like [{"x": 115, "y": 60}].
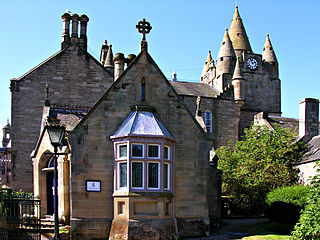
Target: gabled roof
[
  {"x": 115, "y": 83},
  {"x": 194, "y": 89},
  {"x": 142, "y": 123},
  {"x": 58, "y": 54}
]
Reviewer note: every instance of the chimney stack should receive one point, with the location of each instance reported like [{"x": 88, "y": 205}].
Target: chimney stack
[
  {"x": 104, "y": 51},
  {"x": 308, "y": 118},
  {"x": 118, "y": 65},
  {"x": 75, "y": 26},
  {"x": 83, "y": 31},
  {"x": 65, "y": 42}
]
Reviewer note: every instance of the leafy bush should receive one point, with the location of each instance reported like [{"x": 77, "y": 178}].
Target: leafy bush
[
  {"x": 9, "y": 193},
  {"x": 259, "y": 163},
  {"x": 308, "y": 226},
  {"x": 296, "y": 195}
]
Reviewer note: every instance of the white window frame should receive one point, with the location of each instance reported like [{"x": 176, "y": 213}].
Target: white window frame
[
  {"x": 150, "y": 188},
  {"x": 169, "y": 152},
  {"x": 143, "y": 175},
  {"x": 118, "y": 176},
  {"x": 142, "y": 149},
  {"x": 205, "y": 120},
  {"x": 118, "y": 150},
  {"x": 168, "y": 177},
  {"x": 155, "y": 144}
]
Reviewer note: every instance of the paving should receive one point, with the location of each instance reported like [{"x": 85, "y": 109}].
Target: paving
[{"x": 234, "y": 229}]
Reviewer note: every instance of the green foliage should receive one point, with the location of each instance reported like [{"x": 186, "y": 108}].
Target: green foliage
[
  {"x": 296, "y": 195},
  {"x": 308, "y": 226},
  {"x": 9, "y": 194},
  {"x": 286, "y": 203},
  {"x": 259, "y": 163}
]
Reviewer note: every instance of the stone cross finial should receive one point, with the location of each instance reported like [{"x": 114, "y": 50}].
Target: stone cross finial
[
  {"x": 46, "y": 100},
  {"x": 143, "y": 27},
  {"x": 198, "y": 112}
]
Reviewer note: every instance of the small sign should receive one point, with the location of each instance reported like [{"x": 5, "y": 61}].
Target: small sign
[{"x": 93, "y": 185}]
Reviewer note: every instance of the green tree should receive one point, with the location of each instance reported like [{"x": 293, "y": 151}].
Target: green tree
[{"x": 262, "y": 161}]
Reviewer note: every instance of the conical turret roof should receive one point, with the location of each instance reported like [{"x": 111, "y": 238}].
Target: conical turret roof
[
  {"x": 226, "y": 49},
  {"x": 237, "y": 74},
  {"x": 109, "y": 58},
  {"x": 238, "y": 33},
  {"x": 207, "y": 64},
  {"x": 268, "y": 54},
  {"x": 209, "y": 58}
]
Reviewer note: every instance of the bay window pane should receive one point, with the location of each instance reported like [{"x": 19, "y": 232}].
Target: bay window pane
[
  {"x": 153, "y": 175},
  {"x": 137, "y": 174},
  {"x": 166, "y": 175},
  {"x": 153, "y": 151},
  {"x": 122, "y": 175},
  {"x": 122, "y": 151},
  {"x": 137, "y": 150},
  {"x": 166, "y": 152}
]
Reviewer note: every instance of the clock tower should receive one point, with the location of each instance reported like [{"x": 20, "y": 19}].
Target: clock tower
[{"x": 261, "y": 90}]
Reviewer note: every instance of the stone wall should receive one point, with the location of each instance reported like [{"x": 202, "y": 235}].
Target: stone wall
[
  {"x": 93, "y": 157},
  {"x": 74, "y": 78}
]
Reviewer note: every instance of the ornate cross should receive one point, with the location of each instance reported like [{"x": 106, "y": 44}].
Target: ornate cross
[{"x": 143, "y": 27}]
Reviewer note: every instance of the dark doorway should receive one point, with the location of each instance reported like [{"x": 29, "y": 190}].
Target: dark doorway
[{"x": 50, "y": 195}]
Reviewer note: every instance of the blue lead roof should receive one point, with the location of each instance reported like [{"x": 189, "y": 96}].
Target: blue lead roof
[{"x": 142, "y": 123}]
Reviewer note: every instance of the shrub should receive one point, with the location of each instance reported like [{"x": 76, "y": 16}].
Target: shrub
[
  {"x": 261, "y": 162},
  {"x": 296, "y": 195},
  {"x": 308, "y": 226}
]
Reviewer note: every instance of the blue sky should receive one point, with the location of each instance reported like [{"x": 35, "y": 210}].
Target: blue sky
[{"x": 183, "y": 32}]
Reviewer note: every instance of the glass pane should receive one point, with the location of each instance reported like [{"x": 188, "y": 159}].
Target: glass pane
[
  {"x": 122, "y": 151},
  {"x": 137, "y": 150},
  {"x": 166, "y": 153},
  {"x": 123, "y": 174},
  {"x": 137, "y": 174},
  {"x": 153, "y": 174},
  {"x": 153, "y": 151},
  {"x": 166, "y": 176},
  {"x": 208, "y": 120}
]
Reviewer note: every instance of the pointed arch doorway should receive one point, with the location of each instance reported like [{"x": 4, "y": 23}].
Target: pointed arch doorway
[{"x": 49, "y": 185}]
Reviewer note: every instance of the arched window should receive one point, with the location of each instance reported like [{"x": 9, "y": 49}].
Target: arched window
[
  {"x": 208, "y": 120},
  {"x": 143, "y": 90}
]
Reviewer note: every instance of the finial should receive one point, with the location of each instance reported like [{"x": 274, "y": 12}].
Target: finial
[
  {"x": 198, "y": 112},
  {"x": 143, "y": 27},
  {"x": 46, "y": 100}
]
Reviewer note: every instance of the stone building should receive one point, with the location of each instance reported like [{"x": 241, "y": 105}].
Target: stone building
[
  {"x": 139, "y": 152},
  {"x": 5, "y": 155}
]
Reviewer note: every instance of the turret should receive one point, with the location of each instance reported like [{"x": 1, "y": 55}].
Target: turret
[
  {"x": 108, "y": 62},
  {"x": 208, "y": 71},
  {"x": 239, "y": 82},
  {"x": 238, "y": 34},
  {"x": 226, "y": 57},
  {"x": 6, "y": 134},
  {"x": 269, "y": 58}
]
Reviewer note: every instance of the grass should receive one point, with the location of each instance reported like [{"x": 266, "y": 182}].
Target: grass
[{"x": 270, "y": 231}]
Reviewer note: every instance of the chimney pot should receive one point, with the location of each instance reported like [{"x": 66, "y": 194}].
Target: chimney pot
[
  {"x": 83, "y": 31},
  {"x": 118, "y": 65},
  {"x": 65, "y": 41},
  {"x": 75, "y": 26}
]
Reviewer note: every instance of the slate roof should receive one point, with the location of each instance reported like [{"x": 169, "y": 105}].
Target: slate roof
[
  {"x": 194, "y": 89},
  {"x": 69, "y": 117},
  {"x": 283, "y": 122},
  {"x": 313, "y": 152},
  {"x": 142, "y": 123}
]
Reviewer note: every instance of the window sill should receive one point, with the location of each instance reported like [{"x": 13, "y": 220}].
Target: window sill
[{"x": 142, "y": 194}]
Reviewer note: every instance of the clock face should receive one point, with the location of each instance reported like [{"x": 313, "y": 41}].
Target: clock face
[{"x": 252, "y": 63}]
